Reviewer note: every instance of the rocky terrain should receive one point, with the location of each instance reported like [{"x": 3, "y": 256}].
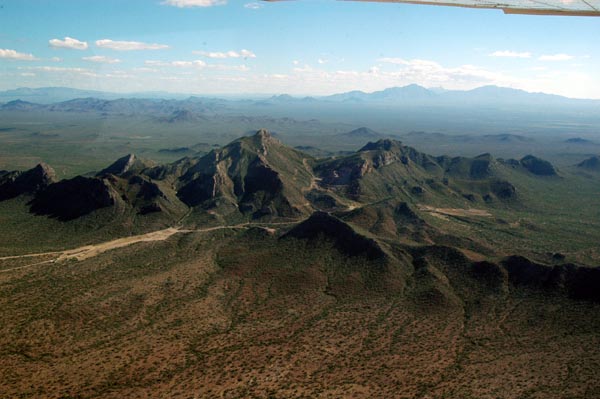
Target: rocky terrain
[{"x": 257, "y": 270}]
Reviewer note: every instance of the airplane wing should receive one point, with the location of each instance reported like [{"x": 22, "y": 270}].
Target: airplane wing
[{"x": 533, "y": 7}]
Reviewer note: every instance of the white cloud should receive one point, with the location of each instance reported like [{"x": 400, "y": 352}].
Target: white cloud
[
  {"x": 28, "y": 74},
  {"x": 177, "y": 64},
  {"x": 194, "y": 3},
  {"x": 56, "y": 69},
  {"x": 296, "y": 62},
  {"x": 128, "y": 45},
  {"x": 510, "y": 54},
  {"x": 69, "y": 43},
  {"x": 393, "y": 60},
  {"x": 145, "y": 69},
  {"x": 221, "y": 67},
  {"x": 15, "y": 55},
  {"x": 102, "y": 59},
  {"x": 253, "y": 5},
  {"x": 64, "y": 72},
  {"x": 56, "y": 59},
  {"x": 227, "y": 54},
  {"x": 397, "y": 72},
  {"x": 305, "y": 68},
  {"x": 556, "y": 57},
  {"x": 322, "y": 61}
]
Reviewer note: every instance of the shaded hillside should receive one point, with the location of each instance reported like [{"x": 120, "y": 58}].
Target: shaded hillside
[
  {"x": 70, "y": 199},
  {"x": 591, "y": 163},
  {"x": 13, "y": 184},
  {"x": 323, "y": 226},
  {"x": 387, "y": 168},
  {"x": 538, "y": 166},
  {"x": 255, "y": 175}
]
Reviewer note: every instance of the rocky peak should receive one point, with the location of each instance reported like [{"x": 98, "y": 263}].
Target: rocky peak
[
  {"x": 44, "y": 173},
  {"x": 126, "y": 164},
  {"x": 382, "y": 145},
  {"x": 13, "y": 184}
]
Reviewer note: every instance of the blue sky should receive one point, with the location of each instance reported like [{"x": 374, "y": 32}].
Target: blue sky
[{"x": 297, "y": 47}]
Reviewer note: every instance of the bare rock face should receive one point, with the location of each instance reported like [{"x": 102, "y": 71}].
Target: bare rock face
[
  {"x": 255, "y": 174},
  {"x": 13, "y": 184},
  {"x": 70, "y": 199},
  {"x": 126, "y": 165}
]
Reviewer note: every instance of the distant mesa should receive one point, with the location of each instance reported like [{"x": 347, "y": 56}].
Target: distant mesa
[
  {"x": 176, "y": 150},
  {"x": 507, "y": 138},
  {"x": 592, "y": 163},
  {"x": 13, "y": 184},
  {"x": 194, "y": 149},
  {"x": 183, "y": 116},
  {"x": 314, "y": 151},
  {"x": 578, "y": 140},
  {"x": 19, "y": 105},
  {"x": 362, "y": 133}
]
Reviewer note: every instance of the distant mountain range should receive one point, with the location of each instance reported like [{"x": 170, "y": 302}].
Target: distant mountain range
[
  {"x": 49, "y": 95},
  {"x": 406, "y": 95}
]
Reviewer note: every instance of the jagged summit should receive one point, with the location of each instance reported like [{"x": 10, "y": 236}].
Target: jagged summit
[
  {"x": 130, "y": 163},
  {"x": 255, "y": 175},
  {"x": 42, "y": 173},
  {"x": 261, "y": 138},
  {"x": 13, "y": 184}
]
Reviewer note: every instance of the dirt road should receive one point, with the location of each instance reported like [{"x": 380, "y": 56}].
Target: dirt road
[{"x": 92, "y": 250}]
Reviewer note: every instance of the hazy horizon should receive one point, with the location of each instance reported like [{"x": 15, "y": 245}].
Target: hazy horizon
[
  {"x": 297, "y": 48},
  {"x": 259, "y": 95}
]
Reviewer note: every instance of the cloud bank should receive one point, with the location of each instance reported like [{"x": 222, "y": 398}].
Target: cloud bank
[
  {"x": 227, "y": 54},
  {"x": 129, "y": 45},
  {"x": 15, "y": 55},
  {"x": 194, "y": 3}
]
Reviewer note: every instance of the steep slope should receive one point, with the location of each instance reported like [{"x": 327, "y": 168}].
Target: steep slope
[
  {"x": 13, "y": 184},
  {"x": 122, "y": 185},
  {"x": 72, "y": 198},
  {"x": 321, "y": 225},
  {"x": 255, "y": 176},
  {"x": 127, "y": 165},
  {"x": 386, "y": 169}
]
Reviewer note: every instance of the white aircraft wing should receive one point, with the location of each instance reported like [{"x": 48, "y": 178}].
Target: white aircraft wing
[{"x": 534, "y": 7}]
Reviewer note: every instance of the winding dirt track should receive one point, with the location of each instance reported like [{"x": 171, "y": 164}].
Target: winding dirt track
[{"x": 90, "y": 251}]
